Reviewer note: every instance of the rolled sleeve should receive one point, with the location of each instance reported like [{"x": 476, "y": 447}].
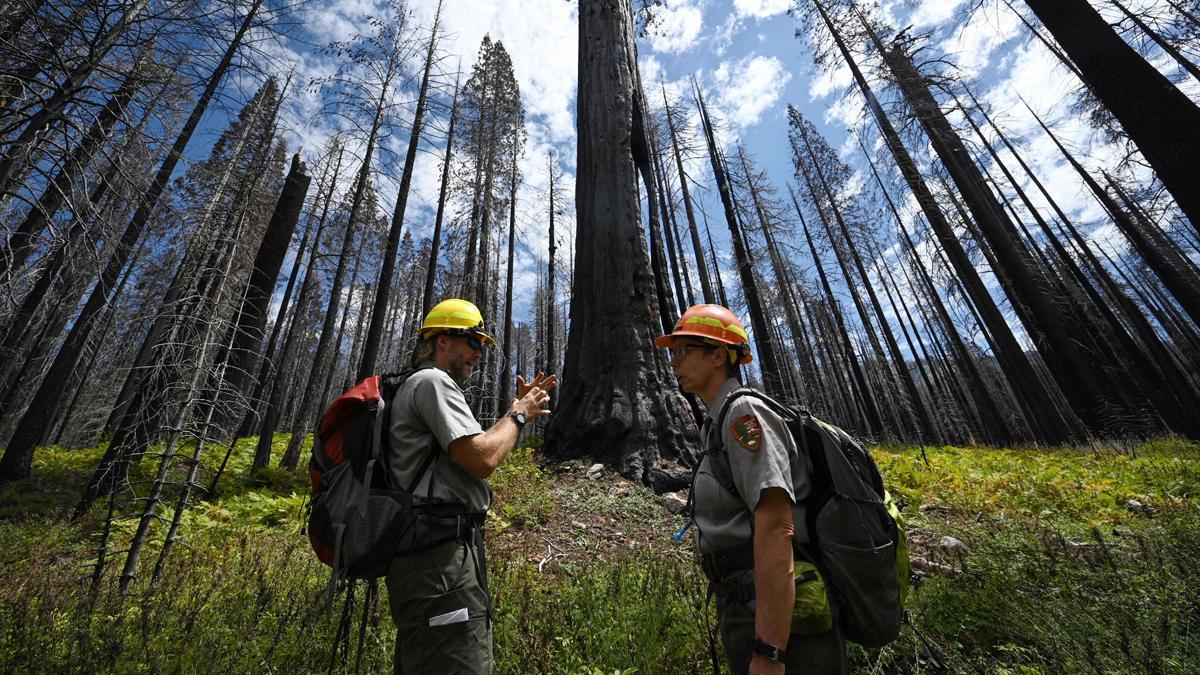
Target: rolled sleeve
[{"x": 443, "y": 408}]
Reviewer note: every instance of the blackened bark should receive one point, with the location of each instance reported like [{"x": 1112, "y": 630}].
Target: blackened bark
[
  {"x": 1039, "y": 406},
  {"x": 383, "y": 294},
  {"x": 21, "y": 242},
  {"x": 435, "y": 242},
  {"x": 697, "y": 247},
  {"x": 252, "y": 319},
  {"x": 506, "y": 380},
  {"x": 1159, "y": 118},
  {"x": 863, "y": 391},
  {"x": 274, "y": 409},
  {"x": 1028, "y": 287},
  {"x": 551, "y": 358},
  {"x": 768, "y": 364},
  {"x": 325, "y": 344},
  {"x": 978, "y": 390},
  {"x": 1171, "y": 267},
  {"x": 618, "y": 404},
  {"x": 18, "y": 456}
]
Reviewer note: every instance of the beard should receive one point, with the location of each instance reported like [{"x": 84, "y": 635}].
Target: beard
[{"x": 460, "y": 370}]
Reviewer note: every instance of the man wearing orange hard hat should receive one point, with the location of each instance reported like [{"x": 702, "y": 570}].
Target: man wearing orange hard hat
[{"x": 746, "y": 502}]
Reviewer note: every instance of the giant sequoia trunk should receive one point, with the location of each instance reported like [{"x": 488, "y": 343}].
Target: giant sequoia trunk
[
  {"x": 1159, "y": 118},
  {"x": 618, "y": 404}
]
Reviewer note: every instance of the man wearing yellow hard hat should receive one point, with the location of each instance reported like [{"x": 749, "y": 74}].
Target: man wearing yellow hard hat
[
  {"x": 746, "y": 502},
  {"x": 439, "y": 598}
]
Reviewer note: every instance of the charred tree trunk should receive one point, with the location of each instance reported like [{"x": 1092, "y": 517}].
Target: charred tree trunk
[
  {"x": 325, "y": 344},
  {"x": 506, "y": 380},
  {"x": 697, "y": 247},
  {"x": 551, "y": 359},
  {"x": 745, "y": 262},
  {"x": 21, "y": 242},
  {"x": 18, "y": 456},
  {"x": 382, "y": 295},
  {"x": 252, "y": 319},
  {"x": 435, "y": 242},
  {"x": 1029, "y": 289},
  {"x": 862, "y": 390},
  {"x": 630, "y": 417},
  {"x": 1039, "y": 406},
  {"x": 1159, "y": 118}
]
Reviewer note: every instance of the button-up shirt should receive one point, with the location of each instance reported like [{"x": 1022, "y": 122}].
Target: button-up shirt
[
  {"x": 430, "y": 412},
  {"x": 760, "y": 453}
]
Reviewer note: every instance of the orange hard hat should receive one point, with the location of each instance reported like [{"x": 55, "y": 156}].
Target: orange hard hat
[{"x": 713, "y": 324}]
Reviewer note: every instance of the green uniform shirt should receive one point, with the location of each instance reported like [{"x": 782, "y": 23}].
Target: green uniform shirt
[
  {"x": 430, "y": 411},
  {"x": 761, "y": 454}
]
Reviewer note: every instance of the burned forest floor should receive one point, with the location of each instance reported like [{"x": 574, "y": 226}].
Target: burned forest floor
[{"x": 1026, "y": 560}]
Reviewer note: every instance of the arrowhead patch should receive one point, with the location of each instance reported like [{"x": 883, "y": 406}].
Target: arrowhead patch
[{"x": 747, "y": 432}]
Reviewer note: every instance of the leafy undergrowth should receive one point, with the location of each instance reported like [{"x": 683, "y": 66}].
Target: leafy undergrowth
[{"x": 1076, "y": 560}]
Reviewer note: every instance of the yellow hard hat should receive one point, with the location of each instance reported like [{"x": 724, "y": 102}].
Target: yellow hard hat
[{"x": 460, "y": 317}]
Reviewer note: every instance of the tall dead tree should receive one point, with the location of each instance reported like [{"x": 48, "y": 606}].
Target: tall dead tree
[
  {"x": 18, "y": 456},
  {"x": 1039, "y": 407},
  {"x": 768, "y": 364},
  {"x": 379, "y": 312},
  {"x": 1159, "y": 118},
  {"x": 633, "y": 417}
]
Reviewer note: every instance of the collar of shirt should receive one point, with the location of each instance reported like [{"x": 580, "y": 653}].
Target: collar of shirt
[{"x": 722, "y": 394}]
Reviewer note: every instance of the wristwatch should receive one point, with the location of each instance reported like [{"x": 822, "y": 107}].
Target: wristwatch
[
  {"x": 768, "y": 650},
  {"x": 518, "y": 417}
]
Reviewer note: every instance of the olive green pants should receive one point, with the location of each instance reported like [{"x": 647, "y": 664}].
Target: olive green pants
[
  {"x": 823, "y": 653},
  {"x": 441, "y": 612}
]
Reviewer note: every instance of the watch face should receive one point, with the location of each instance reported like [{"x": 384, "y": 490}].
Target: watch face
[{"x": 519, "y": 417}]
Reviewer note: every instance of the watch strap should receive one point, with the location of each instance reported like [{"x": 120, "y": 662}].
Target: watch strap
[{"x": 768, "y": 650}]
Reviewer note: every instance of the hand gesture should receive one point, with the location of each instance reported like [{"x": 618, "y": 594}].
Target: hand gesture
[
  {"x": 541, "y": 381},
  {"x": 534, "y": 396}
]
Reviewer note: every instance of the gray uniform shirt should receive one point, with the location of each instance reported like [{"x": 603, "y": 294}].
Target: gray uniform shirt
[
  {"x": 430, "y": 412},
  {"x": 761, "y": 454}
]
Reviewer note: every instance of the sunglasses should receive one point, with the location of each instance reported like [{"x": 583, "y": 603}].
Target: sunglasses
[
  {"x": 681, "y": 349},
  {"x": 473, "y": 342}
]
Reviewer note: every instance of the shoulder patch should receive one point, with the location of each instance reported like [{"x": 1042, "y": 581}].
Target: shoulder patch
[{"x": 747, "y": 431}]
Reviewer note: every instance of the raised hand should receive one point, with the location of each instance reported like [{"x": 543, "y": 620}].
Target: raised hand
[{"x": 541, "y": 381}]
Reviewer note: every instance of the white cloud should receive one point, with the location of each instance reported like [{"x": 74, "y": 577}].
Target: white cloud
[
  {"x": 972, "y": 45},
  {"x": 723, "y": 36},
  {"x": 761, "y": 9},
  {"x": 830, "y": 80},
  {"x": 749, "y": 86},
  {"x": 933, "y": 12},
  {"x": 677, "y": 28}
]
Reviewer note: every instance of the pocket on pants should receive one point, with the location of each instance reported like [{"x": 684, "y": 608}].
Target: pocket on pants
[
  {"x": 458, "y": 606},
  {"x": 451, "y": 634}
]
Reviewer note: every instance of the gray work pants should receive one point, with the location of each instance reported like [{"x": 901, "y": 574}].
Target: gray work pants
[
  {"x": 441, "y": 612},
  {"x": 823, "y": 653}
]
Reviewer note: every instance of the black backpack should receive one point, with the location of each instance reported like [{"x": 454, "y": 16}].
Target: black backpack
[{"x": 856, "y": 530}]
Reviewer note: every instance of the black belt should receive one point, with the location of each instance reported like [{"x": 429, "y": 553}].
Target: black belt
[{"x": 720, "y": 564}]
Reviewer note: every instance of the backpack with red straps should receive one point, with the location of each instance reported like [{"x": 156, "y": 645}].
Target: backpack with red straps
[{"x": 358, "y": 520}]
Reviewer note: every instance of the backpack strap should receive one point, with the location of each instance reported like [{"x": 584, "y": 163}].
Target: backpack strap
[{"x": 813, "y": 462}]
